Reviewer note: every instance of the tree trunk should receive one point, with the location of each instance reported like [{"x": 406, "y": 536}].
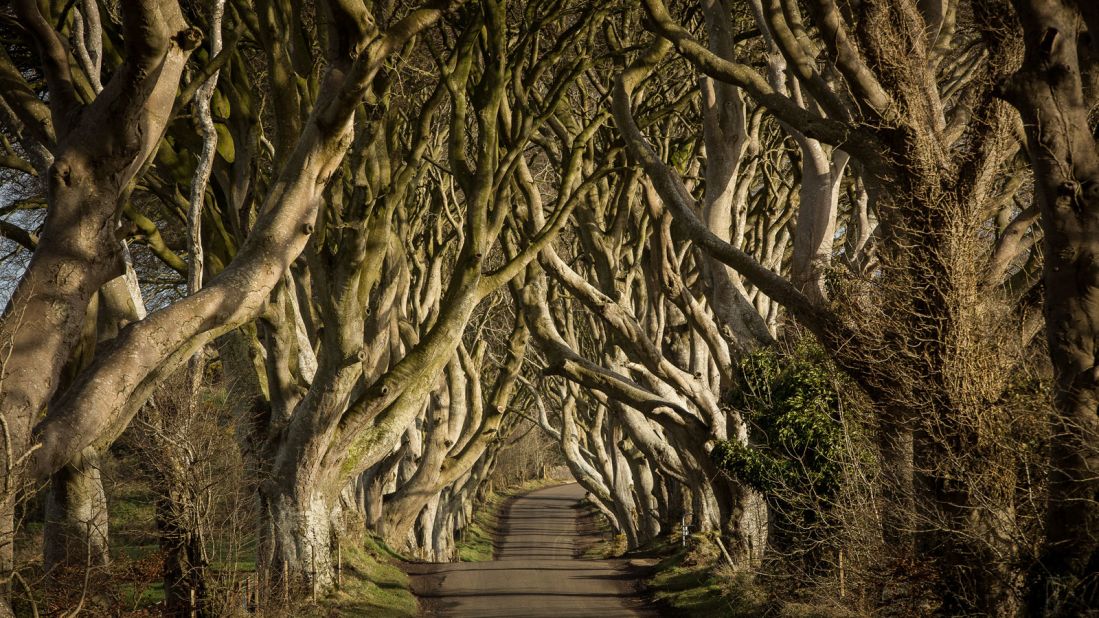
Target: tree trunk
[
  {"x": 644, "y": 494},
  {"x": 100, "y": 147},
  {"x": 443, "y": 532},
  {"x": 183, "y": 547},
  {"x": 898, "y": 504},
  {"x": 7, "y": 550},
  {"x": 374, "y": 483},
  {"x": 298, "y": 535},
  {"x": 75, "y": 532},
  {"x": 1050, "y": 94},
  {"x": 425, "y": 537},
  {"x": 627, "y": 506}
]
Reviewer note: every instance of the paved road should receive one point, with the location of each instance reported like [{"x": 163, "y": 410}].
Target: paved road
[{"x": 536, "y": 572}]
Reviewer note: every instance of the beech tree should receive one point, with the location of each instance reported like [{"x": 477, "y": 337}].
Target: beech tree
[
  {"x": 931, "y": 141},
  {"x": 1055, "y": 94},
  {"x": 99, "y": 144}
]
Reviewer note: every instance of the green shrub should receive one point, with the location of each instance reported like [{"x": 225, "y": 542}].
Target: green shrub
[{"x": 797, "y": 447}]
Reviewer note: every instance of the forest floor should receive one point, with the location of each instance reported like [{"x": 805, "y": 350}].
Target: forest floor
[
  {"x": 537, "y": 569},
  {"x": 372, "y": 584}
]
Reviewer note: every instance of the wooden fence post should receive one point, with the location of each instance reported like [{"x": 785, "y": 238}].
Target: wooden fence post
[
  {"x": 313, "y": 572},
  {"x": 339, "y": 564},
  {"x": 843, "y": 582}
]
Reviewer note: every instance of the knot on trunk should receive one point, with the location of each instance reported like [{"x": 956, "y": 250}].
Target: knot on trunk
[
  {"x": 188, "y": 39},
  {"x": 61, "y": 173},
  {"x": 357, "y": 357},
  {"x": 1090, "y": 190},
  {"x": 1066, "y": 254}
]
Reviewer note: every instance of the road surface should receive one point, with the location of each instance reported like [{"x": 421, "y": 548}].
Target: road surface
[{"x": 535, "y": 572}]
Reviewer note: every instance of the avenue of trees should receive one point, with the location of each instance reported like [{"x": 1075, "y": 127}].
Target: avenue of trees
[{"x": 816, "y": 279}]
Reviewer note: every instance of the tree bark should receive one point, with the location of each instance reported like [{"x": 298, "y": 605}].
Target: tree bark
[
  {"x": 97, "y": 154},
  {"x": 296, "y": 533},
  {"x": 76, "y": 526},
  {"x": 183, "y": 548},
  {"x": 1050, "y": 93},
  {"x": 898, "y": 501}
]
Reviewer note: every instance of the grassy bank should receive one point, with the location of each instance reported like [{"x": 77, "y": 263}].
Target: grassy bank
[
  {"x": 373, "y": 585},
  {"x": 693, "y": 581},
  {"x": 696, "y": 581},
  {"x": 688, "y": 580}
]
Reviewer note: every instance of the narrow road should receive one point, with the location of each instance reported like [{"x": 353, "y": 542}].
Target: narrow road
[{"x": 536, "y": 572}]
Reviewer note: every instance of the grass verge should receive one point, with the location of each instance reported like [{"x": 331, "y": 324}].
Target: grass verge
[
  {"x": 693, "y": 581},
  {"x": 373, "y": 585},
  {"x": 690, "y": 581},
  {"x": 597, "y": 541}
]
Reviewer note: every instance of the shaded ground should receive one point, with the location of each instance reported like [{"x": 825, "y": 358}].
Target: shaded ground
[{"x": 536, "y": 571}]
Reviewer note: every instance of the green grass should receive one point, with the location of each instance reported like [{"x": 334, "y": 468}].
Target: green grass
[
  {"x": 691, "y": 583},
  {"x": 476, "y": 544},
  {"x": 132, "y": 530},
  {"x": 688, "y": 582},
  {"x": 373, "y": 585},
  {"x": 610, "y": 545},
  {"x": 143, "y": 595}
]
